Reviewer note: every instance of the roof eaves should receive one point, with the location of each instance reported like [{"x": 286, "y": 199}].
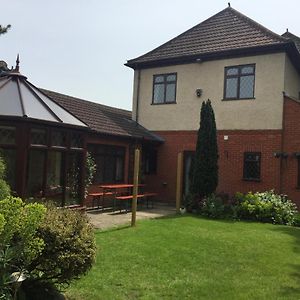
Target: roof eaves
[{"x": 211, "y": 55}]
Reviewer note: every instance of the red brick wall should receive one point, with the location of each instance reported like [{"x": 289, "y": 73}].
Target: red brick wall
[
  {"x": 291, "y": 144},
  {"x": 231, "y": 154}
]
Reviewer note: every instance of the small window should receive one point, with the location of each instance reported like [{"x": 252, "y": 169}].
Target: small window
[
  {"x": 164, "y": 88},
  {"x": 38, "y": 137},
  {"x": 7, "y": 135},
  {"x": 239, "y": 82},
  {"x": 252, "y": 166}
]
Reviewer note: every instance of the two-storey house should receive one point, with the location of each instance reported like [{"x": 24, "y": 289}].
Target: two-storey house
[{"x": 251, "y": 75}]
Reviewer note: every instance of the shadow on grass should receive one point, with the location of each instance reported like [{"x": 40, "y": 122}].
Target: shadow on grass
[{"x": 291, "y": 291}]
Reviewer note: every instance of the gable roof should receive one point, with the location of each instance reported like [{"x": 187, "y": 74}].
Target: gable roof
[
  {"x": 227, "y": 32},
  {"x": 103, "y": 119},
  {"x": 294, "y": 38}
]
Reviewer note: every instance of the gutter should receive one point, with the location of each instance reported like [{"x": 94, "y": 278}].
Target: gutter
[{"x": 240, "y": 52}]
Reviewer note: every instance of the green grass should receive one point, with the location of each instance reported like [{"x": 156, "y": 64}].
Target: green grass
[{"x": 194, "y": 258}]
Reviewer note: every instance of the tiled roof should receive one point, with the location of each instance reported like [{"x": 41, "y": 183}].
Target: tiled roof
[
  {"x": 226, "y": 31},
  {"x": 294, "y": 38},
  {"x": 103, "y": 119}
]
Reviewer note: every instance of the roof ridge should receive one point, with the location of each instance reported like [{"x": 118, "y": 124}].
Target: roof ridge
[
  {"x": 267, "y": 37},
  {"x": 179, "y": 35},
  {"x": 95, "y": 103},
  {"x": 288, "y": 33},
  {"x": 256, "y": 24}
]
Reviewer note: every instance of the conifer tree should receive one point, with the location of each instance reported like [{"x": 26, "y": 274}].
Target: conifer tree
[{"x": 204, "y": 179}]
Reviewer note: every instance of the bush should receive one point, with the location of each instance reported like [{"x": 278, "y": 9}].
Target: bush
[
  {"x": 212, "y": 206},
  {"x": 69, "y": 247},
  {"x": 19, "y": 245},
  {"x": 266, "y": 207},
  {"x": 4, "y": 187}
]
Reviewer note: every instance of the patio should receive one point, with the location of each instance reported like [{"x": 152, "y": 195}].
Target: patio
[{"x": 109, "y": 219}]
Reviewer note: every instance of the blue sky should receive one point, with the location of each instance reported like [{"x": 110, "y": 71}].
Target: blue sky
[{"x": 79, "y": 47}]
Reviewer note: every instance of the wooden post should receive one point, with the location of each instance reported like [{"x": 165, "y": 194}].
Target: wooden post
[
  {"x": 135, "y": 185},
  {"x": 179, "y": 181}
]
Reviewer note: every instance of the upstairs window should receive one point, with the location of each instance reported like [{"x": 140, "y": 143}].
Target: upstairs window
[
  {"x": 164, "y": 88},
  {"x": 252, "y": 166},
  {"x": 239, "y": 82}
]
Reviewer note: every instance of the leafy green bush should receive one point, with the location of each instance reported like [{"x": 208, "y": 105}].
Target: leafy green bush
[
  {"x": 212, "y": 206},
  {"x": 266, "y": 207},
  {"x": 4, "y": 187},
  {"x": 19, "y": 245},
  {"x": 69, "y": 249}
]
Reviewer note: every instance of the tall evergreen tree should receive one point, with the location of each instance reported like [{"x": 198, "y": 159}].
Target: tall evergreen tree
[{"x": 205, "y": 166}]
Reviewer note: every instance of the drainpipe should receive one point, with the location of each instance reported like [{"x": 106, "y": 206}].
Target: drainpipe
[{"x": 137, "y": 96}]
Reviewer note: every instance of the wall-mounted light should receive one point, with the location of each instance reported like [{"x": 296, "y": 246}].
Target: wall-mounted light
[
  {"x": 199, "y": 92},
  {"x": 281, "y": 154},
  {"x": 297, "y": 154}
]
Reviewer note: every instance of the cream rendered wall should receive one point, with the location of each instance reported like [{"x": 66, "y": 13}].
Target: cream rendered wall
[
  {"x": 291, "y": 79},
  {"x": 264, "y": 112}
]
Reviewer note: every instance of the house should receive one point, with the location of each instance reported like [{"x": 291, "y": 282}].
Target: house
[
  {"x": 44, "y": 138},
  {"x": 251, "y": 75}
]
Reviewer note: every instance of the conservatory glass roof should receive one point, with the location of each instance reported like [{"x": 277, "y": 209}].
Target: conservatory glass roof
[{"x": 20, "y": 98}]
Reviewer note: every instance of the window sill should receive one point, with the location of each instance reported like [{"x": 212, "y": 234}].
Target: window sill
[
  {"x": 237, "y": 99},
  {"x": 252, "y": 179},
  {"x": 163, "y": 103}
]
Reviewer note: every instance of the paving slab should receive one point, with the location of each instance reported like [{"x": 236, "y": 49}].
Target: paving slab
[{"x": 109, "y": 219}]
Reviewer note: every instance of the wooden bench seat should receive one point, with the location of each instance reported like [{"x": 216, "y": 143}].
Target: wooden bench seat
[
  {"x": 98, "y": 196},
  {"x": 139, "y": 196}
]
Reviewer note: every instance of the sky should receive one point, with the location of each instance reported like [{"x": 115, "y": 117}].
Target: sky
[{"x": 79, "y": 47}]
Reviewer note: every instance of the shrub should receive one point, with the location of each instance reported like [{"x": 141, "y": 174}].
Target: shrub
[
  {"x": 69, "y": 247},
  {"x": 19, "y": 244},
  {"x": 212, "y": 206},
  {"x": 4, "y": 187},
  {"x": 266, "y": 207}
]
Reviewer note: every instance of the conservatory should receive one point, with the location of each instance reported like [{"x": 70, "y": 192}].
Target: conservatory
[{"x": 42, "y": 143}]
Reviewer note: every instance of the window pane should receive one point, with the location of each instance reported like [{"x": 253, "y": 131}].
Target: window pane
[
  {"x": 232, "y": 71},
  {"x": 38, "y": 137},
  {"x": 7, "y": 135},
  {"x": 170, "y": 92},
  {"x": 252, "y": 166},
  {"x": 158, "y": 79},
  {"x": 59, "y": 139},
  {"x": 171, "y": 77},
  {"x": 109, "y": 163},
  {"x": 247, "y": 70},
  {"x": 231, "y": 87},
  {"x": 159, "y": 91},
  {"x": 247, "y": 86},
  {"x": 76, "y": 140},
  {"x": 54, "y": 186},
  {"x": 9, "y": 157},
  {"x": 35, "y": 173},
  {"x": 109, "y": 169},
  {"x": 119, "y": 169}
]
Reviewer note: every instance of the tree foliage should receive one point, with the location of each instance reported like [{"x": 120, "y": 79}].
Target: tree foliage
[
  {"x": 4, "y": 187},
  {"x": 204, "y": 179},
  {"x": 4, "y": 29}
]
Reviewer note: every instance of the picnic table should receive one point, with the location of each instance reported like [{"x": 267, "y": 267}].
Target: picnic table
[{"x": 121, "y": 193}]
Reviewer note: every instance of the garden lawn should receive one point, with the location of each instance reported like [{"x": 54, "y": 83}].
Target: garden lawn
[{"x": 188, "y": 257}]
